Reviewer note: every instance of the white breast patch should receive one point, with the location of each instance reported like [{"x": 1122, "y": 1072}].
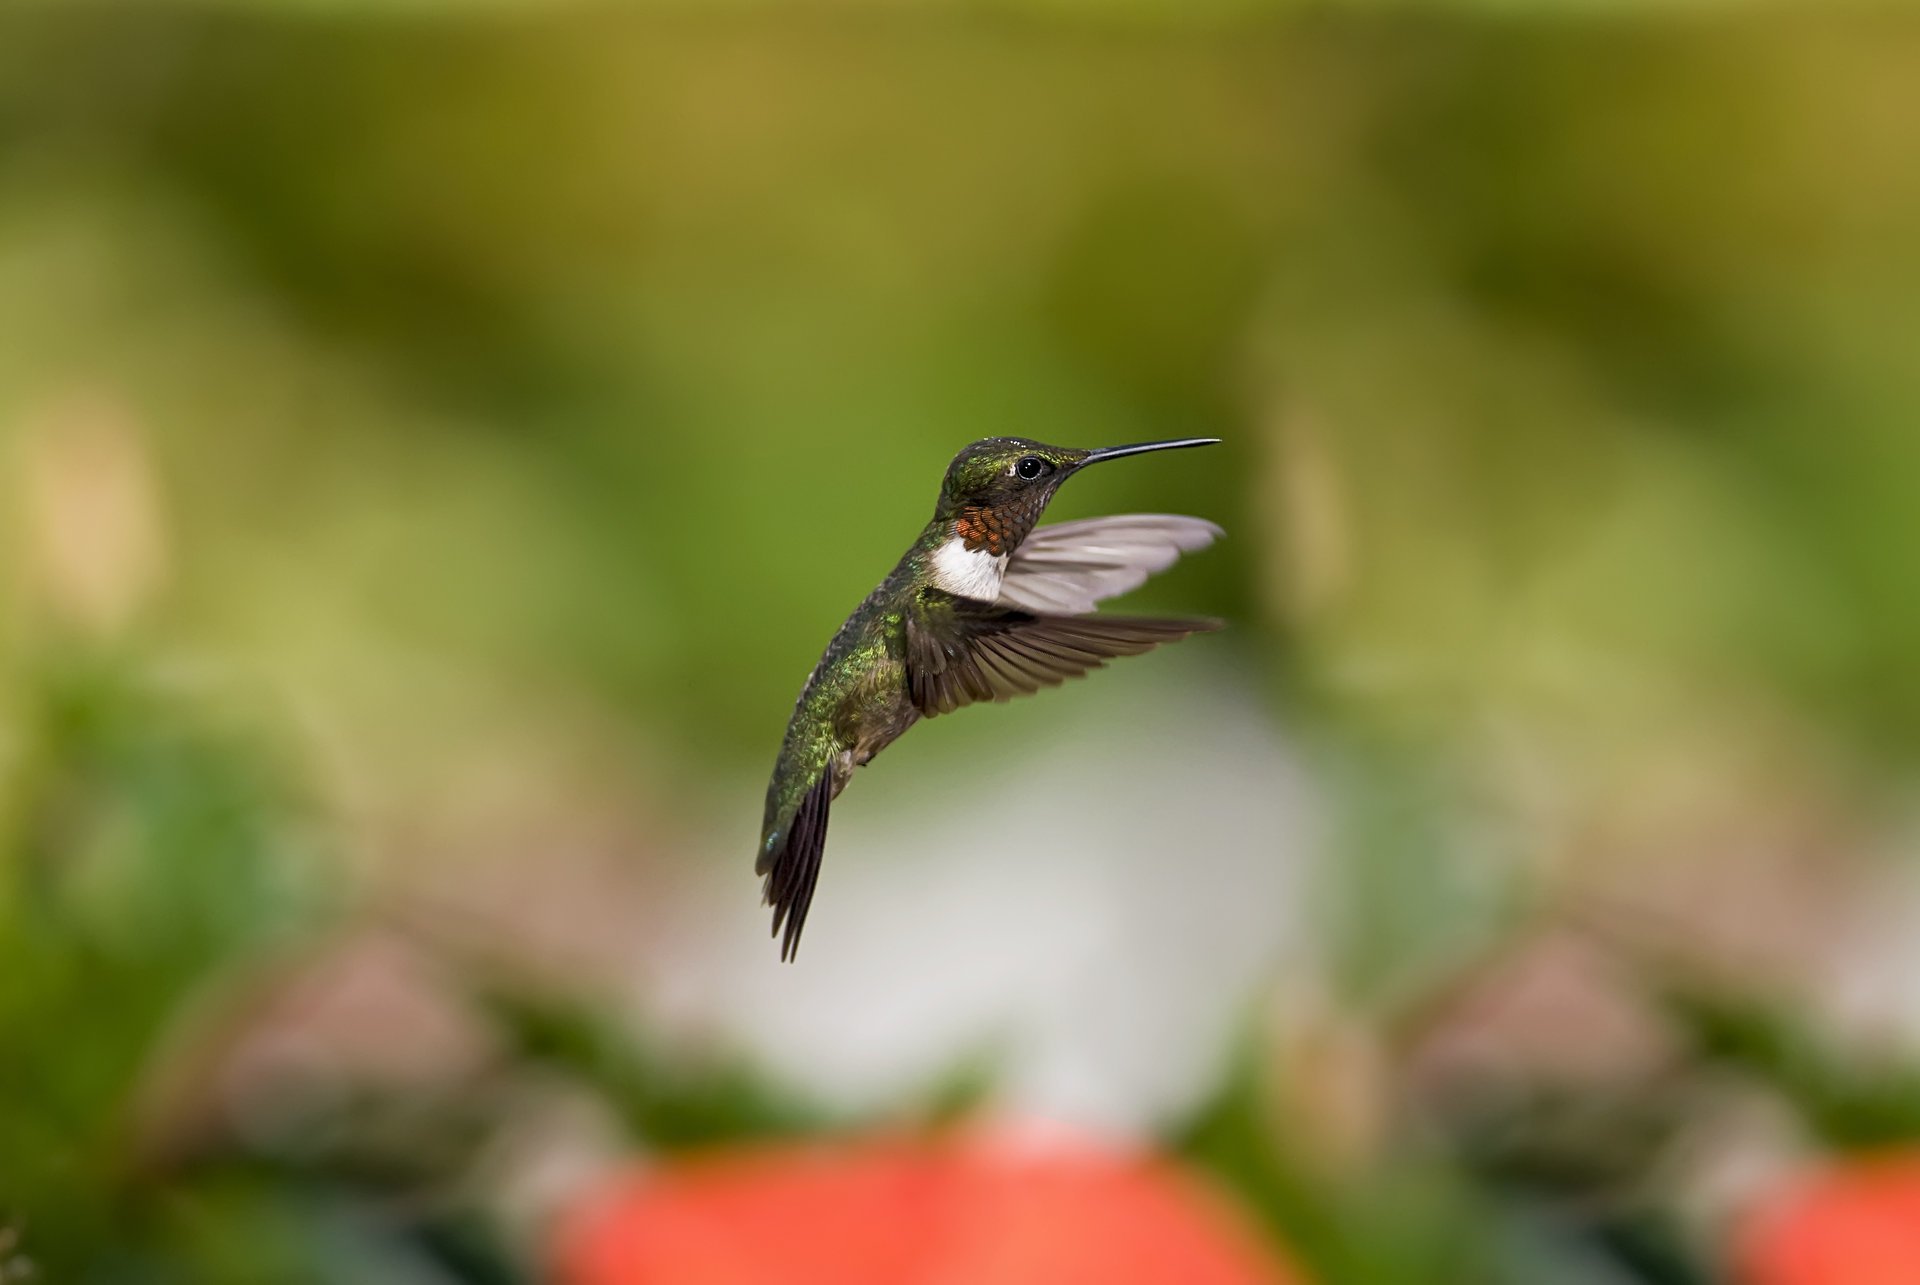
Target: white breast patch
[{"x": 971, "y": 573}]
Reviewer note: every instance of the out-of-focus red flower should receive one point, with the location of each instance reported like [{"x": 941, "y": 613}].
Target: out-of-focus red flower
[
  {"x": 1858, "y": 1224},
  {"x": 951, "y": 1211}
]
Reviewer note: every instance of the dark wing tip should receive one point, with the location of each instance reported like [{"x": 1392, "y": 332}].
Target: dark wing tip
[
  {"x": 1170, "y": 628},
  {"x": 793, "y": 866}
]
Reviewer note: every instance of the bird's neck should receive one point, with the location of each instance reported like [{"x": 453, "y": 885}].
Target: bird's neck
[
  {"x": 968, "y": 552},
  {"x": 996, "y": 529}
]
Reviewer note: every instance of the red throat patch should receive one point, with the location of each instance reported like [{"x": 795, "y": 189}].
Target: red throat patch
[{"x": 984, "y": 528}]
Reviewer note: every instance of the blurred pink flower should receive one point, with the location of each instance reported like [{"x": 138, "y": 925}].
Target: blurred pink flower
[
  {"x": 941, "y": 1211},
  {"x": 1856, "y": 1224}
]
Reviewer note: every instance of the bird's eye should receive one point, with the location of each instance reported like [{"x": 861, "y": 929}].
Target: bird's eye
[{"x": 1031, "y": 466}]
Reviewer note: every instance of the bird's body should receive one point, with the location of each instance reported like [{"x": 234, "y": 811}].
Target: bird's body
[{"x": 981, "y": 607}]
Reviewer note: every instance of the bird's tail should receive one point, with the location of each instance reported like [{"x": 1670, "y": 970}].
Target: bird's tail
[{"x": 790, "y": 859}]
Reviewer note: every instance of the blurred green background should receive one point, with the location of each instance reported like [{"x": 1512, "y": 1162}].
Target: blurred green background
[{"x": 438, "y": 439}]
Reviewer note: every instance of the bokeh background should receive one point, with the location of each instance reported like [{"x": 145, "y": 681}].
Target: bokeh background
[{"x": 437, "y": 438}]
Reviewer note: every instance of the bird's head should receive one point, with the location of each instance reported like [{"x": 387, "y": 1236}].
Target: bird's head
[{"x": 996, "y": 489}]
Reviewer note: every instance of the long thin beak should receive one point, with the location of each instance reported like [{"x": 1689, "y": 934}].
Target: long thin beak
[{"x": 1119, "y": 452}]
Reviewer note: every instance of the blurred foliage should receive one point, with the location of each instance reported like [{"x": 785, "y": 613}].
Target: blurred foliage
[
  {"x": 1408, "y": 1223},
  {"x": 161, "y": 871},
  {"x": 667, "y": 1104},
  {"x": 499, "y": 306},
  {"x": 1857, "y": 1099},
  {"x": 151, "y": 859},
  {"x": 672, "y": 1102}
]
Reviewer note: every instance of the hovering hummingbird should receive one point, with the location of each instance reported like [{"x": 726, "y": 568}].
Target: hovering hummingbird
[{"x": 982, "y": 607}]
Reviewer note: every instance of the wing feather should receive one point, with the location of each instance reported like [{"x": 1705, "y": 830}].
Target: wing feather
[
  {"x": 1068, "y": 567},
  {"x": 961, "y": 651}
]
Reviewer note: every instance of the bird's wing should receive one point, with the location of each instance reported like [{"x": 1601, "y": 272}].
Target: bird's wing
[
  {"x": 1066, "y": 568},
  {"x": 960, "y": 651},
  {"x": 791, "y": 863}
]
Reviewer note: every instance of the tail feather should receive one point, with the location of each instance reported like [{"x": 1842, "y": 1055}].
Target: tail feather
[{"x": 792, "y": 865}]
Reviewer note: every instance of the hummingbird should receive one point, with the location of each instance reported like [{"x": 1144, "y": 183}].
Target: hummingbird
[{"x": 983, "y": 607}]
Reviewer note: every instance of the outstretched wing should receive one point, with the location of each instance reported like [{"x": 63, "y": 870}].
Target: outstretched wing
[
  {"x": 960, "y": 651},
  {"x": 791, "y": 863},
  {"x": 1066, "y": 568}
]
